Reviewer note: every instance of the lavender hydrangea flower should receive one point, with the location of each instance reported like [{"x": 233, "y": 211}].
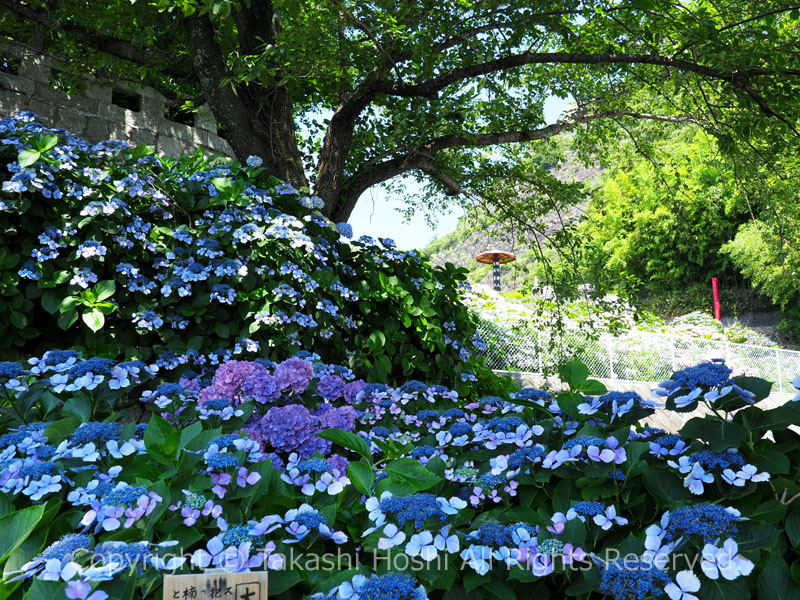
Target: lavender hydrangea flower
[{"x": 294, "y": 374}]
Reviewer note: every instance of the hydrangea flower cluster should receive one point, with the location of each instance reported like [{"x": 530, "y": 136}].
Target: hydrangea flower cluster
[
  {"x": 414, "y": 471},
  {"x": 145, "y": 241},
  {"x": 711, "y": 379}
]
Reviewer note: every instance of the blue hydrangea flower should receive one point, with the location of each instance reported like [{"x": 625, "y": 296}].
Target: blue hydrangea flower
[
  {"x": 706, "y": 521},
  {"x": 632, "y": 579},
  {"x": 416, "y": 509}
]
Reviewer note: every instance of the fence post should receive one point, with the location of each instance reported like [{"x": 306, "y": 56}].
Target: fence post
[
  {"x": 780, "y": 370},
  {"x": 673, "y": 355},
  {"x": 611, "y": 359},
  {"x": 539, "y": 350}
]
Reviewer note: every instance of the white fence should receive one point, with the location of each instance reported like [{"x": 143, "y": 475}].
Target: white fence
[{"x": 633, "y": 356}]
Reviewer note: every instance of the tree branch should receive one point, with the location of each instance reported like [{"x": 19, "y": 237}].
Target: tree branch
[
  {"x": 360, "y": 24},
  {"x": 422, "y": 157},
  {"x": 433, "y": 86},
  {"x": 757, "y": 17},
  {"x": 114, "y": 46}
]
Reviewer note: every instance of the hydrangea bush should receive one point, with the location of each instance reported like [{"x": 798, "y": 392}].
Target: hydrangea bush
[
  {"x": 135, "y": 256},
  {"x": 356, "y": 491}
]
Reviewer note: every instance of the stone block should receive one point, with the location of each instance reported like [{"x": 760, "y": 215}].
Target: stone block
[
  {"x": 99, "y": 92},
  {"x": 47, "y": 93},
  {"x": 84, "y": 104},
  {"x": 177, "y": 131},
  {"x": 148, "y": 93},
  {"x": 142, "y": 136},
  {"x": 142, "y": 120},
  {"x": 72, "y": 120},
  {"x": 111, "y": 112},
  {"x": 169, "y": 145},
  {"x": 117, "y": 130},
  {"x": 204, "y": 119},
  {"x": 97, "y": 130},
  {"x": 15, "y": 83},
  {"x": 36, "y": 68},
  {"x": 46, "y": 111},
  {"x": 12, "y": 103},
  {"x": 220, "y": 145}
]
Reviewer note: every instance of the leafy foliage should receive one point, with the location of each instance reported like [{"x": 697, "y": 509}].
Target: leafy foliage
[
  {"x": 664, "y": 225},
  {"x": 275, "y": 467},
  {"x": 763, "y": 255},
  {"x": 450, "y": 92},
  {"x": 137, "y": 256}
]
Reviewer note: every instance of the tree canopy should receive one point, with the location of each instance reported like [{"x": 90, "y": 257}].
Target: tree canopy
[{"x": 341, "y": 95}]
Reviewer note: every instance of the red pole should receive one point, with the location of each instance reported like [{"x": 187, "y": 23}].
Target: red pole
[{"x": 715, "y": 292}]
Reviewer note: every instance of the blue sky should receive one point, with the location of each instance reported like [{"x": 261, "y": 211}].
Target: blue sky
[{"x": 376, "y": 212}]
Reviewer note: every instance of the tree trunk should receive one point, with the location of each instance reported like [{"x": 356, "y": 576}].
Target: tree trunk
[{"x": 254, "y": 124}]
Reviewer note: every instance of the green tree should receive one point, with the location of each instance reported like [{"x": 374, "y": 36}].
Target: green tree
[
  {"x": 429, "y": 87},
  {"x": 664, "y": 222}
]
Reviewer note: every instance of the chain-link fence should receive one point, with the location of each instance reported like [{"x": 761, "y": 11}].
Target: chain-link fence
[{"x": 633, "y": 356}]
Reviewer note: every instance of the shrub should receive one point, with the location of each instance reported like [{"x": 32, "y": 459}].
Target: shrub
[
  {"x": 193, "y": 260},
  {"x": 437, "y": 495},
  {"x": 664, "y": 225}
]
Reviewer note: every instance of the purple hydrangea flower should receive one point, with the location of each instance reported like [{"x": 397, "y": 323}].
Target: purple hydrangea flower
[
  {"x": 331, "y": 387},
  {"x": 290, "y": 428},
  {"x": 294, "y": 374}
]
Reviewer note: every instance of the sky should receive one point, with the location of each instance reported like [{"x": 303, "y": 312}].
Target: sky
[{"x": 376, "y": 212}]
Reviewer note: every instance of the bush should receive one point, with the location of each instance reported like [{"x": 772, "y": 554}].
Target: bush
[
  {"x": 438, "y": 496},
  {"x": 764, "y": 256},
  {"x": 664, "y": 225},
  {"x": 194, "y": 260}
]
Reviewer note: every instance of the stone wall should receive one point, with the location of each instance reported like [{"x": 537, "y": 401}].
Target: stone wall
[
  {"x": 25, "y": 85},
  {"x": 663, "y": 419}
]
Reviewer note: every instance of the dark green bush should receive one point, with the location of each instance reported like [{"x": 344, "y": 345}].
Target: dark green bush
[{"x": 122, "y": 253}]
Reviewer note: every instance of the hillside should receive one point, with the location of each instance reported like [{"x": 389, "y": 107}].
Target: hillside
[{"x": 475, "y": 234}]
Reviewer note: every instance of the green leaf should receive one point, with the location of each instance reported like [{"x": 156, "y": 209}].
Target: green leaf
[
  {"x": 161, "y": 440},
  {"x": 94, "y": 320},
  {"x": 760, "y": 387},
  {"x": 574, "y": 373},
  {"x": 592, "y": 387},
  {"x": 793, "y": 526},
  {"x": 16, "y": 527},
  {"x": 376, "y": 341},
  {"x": 348, "y": 440},
  {"x": 45, "y": 590},
  {"x": 755, "y": 536},
  {"x": 104, "y": 289},
  {"x": 361, "y": 476},
  {"x": 222, "y": 184},
  {"x": 28, "y": 157},
  {"x": 720, "y": 435},
  {"x": 69, "y": 302},
  {"x": 5, "y": 505},
  {"x": 43, "y": 143},
  {"x": 18, "y": 320},
  {"x": 282, "y": 580},
  {"x": 79, "y": 407},
  {"x": 665, "y": 486},
  {"x": 409, "y": 471},
  {"x": 51, "y": 302},
  {"x": 721, "y": 589},
  {"x": 67, "y": 319},
  {"x": 60, "y": 430},
  {"x": 189, "y": 433},
  {"x": 569, "y": 403},
  {"x": 222, "y": 329},
  {"x": 498, "y": 590},
  {"x": 775, "y": 581}
]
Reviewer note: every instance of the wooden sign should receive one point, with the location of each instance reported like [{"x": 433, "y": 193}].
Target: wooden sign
[{"x": 216, "y": 585}]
